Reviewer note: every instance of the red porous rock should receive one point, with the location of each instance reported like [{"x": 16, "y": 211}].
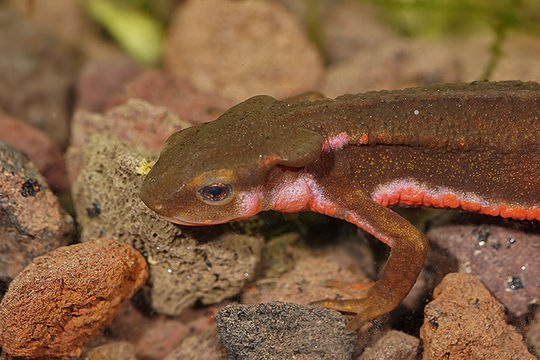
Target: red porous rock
[
  {"x": 394, "y": 345},
  {"x": 113, "y": 350},
  {"x": 64, "y": 298},
  {"x": 241, "y": 48},
  {"x": 38, "y": 147},
  {"x": 100, "y": 79},
  {"x": 32, "y": 222},
  {"x": 135, "y": 121},
  {"x": 176, "y": 94},
  {"x": 205, "y": 344},
  {"x": 465, "y": 322},
  {"x": 37, "y": 71},
  {"x": 504, "y": 259}
]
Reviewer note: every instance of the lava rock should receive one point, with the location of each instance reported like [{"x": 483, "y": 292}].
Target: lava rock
[
  {"x": 186, "y": 264},
  {"x": 67, "y": 296},
  {"x": 314, "y": 277},
  {"x": 241, "y": 48},
  {"x": 135, "y": 121},
  {"x": 465, "y": 322},
  {"x": 113, "y": 350},
  {"x": 32, "y": 222},
  {"x": 36, "y": 72},
  {"x": 38, "y": 148},
  {"x": 505, "y": 260},
  {"x": 100, "y": 79},
  {"x": 394, "y": 345},
  {"x": 178, "y": 95},
  {"x": 194, "y": 347},
  {"x": 284, "y": 331}
]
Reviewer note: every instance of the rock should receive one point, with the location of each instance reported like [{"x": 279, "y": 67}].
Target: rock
[
  {"x": 503, "y": 259},
  {"x": 518, "y": 61},
  {"x": 313, "y": 277},
  {"x": 394, "y": 345},
  {"x": 32, "y": 222},
  {"x": 401, "y": 63},
  {"x": 194, "y": 347},
  {"x": 135, "y": 121},
  {"x": 160, "y": 337},
  {"x": 465, "y": 322},
  {"x": 100, "y": 79},
  {"x": 176, "y": 94},
  {"x": 36, "y": 73},
  {"x": 532, "y": 332},
  {"x": 155, "y": 336},
  {"x": 186, "y": 263},
  {"x": 113, "y": 350},
  {"x": 65, "y": 297},
  {"x": 38, "y": 147},
  {"x": 284, "y": 331},
  {"x": 241, "y": 48},
  {"x": 351, "y": 28}
]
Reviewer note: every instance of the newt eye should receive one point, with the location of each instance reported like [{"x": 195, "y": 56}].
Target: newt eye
[{"x": 215, "y": 192}]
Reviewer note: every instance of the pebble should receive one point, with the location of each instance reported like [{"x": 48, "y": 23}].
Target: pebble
[
  {"x": 67, "y": 296},
  {"x": 465, "y": 322},
  {"x": 280, "y": 330},
  {"x": 37, "y": 72},
  {"x": 504, "y": 259},
  {"x": 239, "y": 49},
  {"x": 176, "y": 94},
  {"x": 38, "y": 147},
  {"x": 394, "y": 345},
  {"x": 32, "y": 222}
]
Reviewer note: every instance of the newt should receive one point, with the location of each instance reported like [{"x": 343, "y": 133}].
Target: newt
[{"x": 475, "y": 146}]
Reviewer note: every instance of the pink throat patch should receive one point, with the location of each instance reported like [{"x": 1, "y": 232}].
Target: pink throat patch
[
  {"x": 336, "y": 142},
  {"x": 410, "y": 192}
]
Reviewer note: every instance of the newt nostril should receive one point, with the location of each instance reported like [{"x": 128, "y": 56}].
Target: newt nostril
[{"x": 158, "y": 206}]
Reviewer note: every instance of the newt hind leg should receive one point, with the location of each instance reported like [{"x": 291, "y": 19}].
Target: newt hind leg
[{"x": 408, "y": 251}]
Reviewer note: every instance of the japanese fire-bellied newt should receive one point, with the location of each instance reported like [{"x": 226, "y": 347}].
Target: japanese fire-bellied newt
[{"x": 474, "y": 146}]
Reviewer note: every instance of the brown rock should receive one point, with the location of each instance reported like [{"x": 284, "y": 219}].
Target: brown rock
[
  {"x": 114, "y": 350},
  {"x": 465, "y": 322},
  {"x": 351, "y": 28},
  {"x": 65, "y": 297},
  {"x": 532, "y": 332},
  {"x": 177, "y": 95},
  {"x": 32, "y": 222},
  {"x": 100, "y": 79},
  {"x": 519, "y": 60},
  {"x": 394, "y": 345},
  {"x": 503, "y": 259},
  {"x": 186, "y": 263},
  {"x": 205, "y": 346},
  {"x": 313, "y": 277},
  {"x": 241, "y": 48},
  {"x": 36, "y": 73},
  {"x": 135, "y": 121},
  {"x": 38, "y": 147},
  {"x": 158, "y": 335},
  {"x": 401, "y": 63},
  {"x": 284, "y": 331}
]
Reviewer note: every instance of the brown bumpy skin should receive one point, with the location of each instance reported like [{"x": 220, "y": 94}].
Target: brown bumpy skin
[{"x": 474, "y": 146}]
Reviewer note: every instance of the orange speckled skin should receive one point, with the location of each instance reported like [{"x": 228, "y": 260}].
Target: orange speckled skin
[{"x": 475, "y": 145}]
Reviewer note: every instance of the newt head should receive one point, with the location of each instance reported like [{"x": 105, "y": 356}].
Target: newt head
[{"x": 216, "y": 172}]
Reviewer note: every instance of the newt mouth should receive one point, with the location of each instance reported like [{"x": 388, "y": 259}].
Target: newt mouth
[{"x": 181, "y": 221}]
